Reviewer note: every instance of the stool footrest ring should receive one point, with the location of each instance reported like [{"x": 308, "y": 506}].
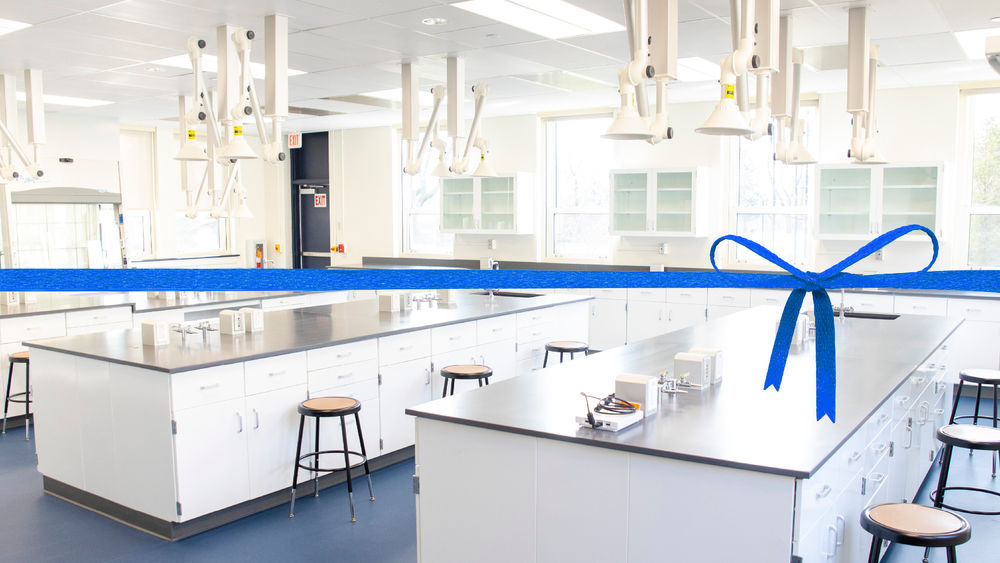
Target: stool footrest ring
[
  {"x": 316, "y": 455},
  {"x": 934, "y": 494},
  {"x": 982, "y": 417},
  {"x": 25, "y": 400}
]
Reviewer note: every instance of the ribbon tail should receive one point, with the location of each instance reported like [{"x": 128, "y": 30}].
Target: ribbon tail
[
  {"x": 826, "y": 357},
  {"x": 783, "y": 340}
]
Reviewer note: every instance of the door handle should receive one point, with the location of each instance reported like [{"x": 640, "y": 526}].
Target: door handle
[
  {"x": 256, "y": 419},
  {"x": 239, "y": 418}
]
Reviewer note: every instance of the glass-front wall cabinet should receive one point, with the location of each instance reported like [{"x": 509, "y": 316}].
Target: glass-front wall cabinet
[
  {"x": 499, "y": 204},
  {"x": 654, "y": 202},
  {"x": 855, "y": 202}
]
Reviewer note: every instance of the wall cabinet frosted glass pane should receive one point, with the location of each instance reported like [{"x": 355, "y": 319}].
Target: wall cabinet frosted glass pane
[
  {"x": 486, "y": 205},
  {"x": 909, "y": 196},
  {"x": 845, "y": 201},
  {"x": 654, "y": 202}
]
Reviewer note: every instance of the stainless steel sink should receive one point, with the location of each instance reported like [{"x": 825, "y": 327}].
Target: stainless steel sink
[
  {"x": 878, "y": 316},
  {"x": 507, "y": 294}
]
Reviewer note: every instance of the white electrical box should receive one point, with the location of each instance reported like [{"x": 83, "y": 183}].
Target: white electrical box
[
  {"x": 637, "y": 388},
  {"x": 253, "y": 319},
  {"x": 155, "y": 333},
  {"x": 715, "y": 362},
  {"x": 693, "y": 369},
  {"x": 231, "y": 322}
]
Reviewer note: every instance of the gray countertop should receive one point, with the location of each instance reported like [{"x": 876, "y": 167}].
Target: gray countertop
[
  {"x": 288, "y": 331},
  {"x": 54, "y": 302},
  {"x": 734, "y": 424}
]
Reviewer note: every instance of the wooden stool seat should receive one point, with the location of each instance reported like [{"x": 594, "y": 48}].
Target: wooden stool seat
[
  {"x": 969, "y": 436},
  {"x": 19, "y": 356},
  {"x": 980, "y": 376},
  {"x": 566, "y": 346},
  {"x": 319, "y": 408},
  {"x": 914, "y": 524},
  {"x": 465, "y": 372},
  {"x": 329, "y": 406}
]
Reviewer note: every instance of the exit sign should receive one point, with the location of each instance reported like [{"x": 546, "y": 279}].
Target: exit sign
[
  {"x": 319, "y": 200},
  {"x": 295, "y": 140}
]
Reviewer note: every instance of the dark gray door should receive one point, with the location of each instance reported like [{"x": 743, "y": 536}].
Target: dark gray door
[{"x": 314, "y": 225}]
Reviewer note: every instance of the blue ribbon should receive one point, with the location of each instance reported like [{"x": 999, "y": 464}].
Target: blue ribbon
[{"x": 818, "y": 284}]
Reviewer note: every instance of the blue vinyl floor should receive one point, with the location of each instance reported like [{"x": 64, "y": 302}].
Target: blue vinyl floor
[{"x": 37, "y": 527}]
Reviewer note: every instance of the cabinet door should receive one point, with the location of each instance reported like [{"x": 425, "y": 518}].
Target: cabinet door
[
  {"x": 684, "y": 315},
  {"x": 909, "y": 196},
  {"x": 403, "y": 385},
  {"x": 457, "y": 205},
  {"x": 716, "y": 311},
  {"x": 844, "y": 203},
  {"x": 901, "y": 444},
  {"x": 646, "y": 321},
  {"x": 501, "y": 358},
  {"x": 629, "y": 202},
  {"x": 497, "y": 207},
  {"x": 211, "y": 451},
  {"x": 674, "y": 202},
  {"x": 607, "y": 323},
  {"x": 273, "y": 425}
]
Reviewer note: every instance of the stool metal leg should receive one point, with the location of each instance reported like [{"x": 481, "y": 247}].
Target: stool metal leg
[
  {"x": 295, "y": 471},
  {"x": 979, "y": 395},
  {"x": 873, "y": 553},
  {"x": 952, "y": 555},
  {"x": 444, "y": 389},
  {"x": 487, "y": 380},
  {"x": 480, "y": 381},
  {"x": 545, "y": 361},
  {"x": 361, "y": 439},
  {"x": 347, "y": 468},
  {"x": 560, "y": 357},
  {"x": 316, "y": 463},
  {"x": 27, "y": 402},
  {"x": 954, "y": 406},
  {"x": 927, "y": 554},
  {"x": 943, "y": 478},
  {"x": 453, "y": 386},
  {"x": 6, "y": 399}
]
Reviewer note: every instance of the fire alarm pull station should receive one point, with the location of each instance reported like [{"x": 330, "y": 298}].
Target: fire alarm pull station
[{"x": 255, "y": 254}]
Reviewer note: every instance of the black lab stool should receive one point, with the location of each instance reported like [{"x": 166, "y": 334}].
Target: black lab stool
[
  {"x": 978, "y": 377},
  {"x": 25, "y": 397},
  {"x": 570, "y": 347},
  {"x": 327, "y": 407},
  {"x": 914, "y": 524},
  {"x": 963, "y": 436},
  {"x": 464, "y": 371}
]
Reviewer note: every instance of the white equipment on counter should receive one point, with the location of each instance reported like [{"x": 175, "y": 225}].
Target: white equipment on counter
[
  {"x": 693, "y": 369},
  {"x": 155, "y": 333},
  {"x": 446, "y": 296},
  {"x": 231, "y": 322},
  {"x": 637, "y": 388},
  {"x": 388, "y": 302},
  {"x": 253, "y": 319},
  {"x": 715, "y": 359}
]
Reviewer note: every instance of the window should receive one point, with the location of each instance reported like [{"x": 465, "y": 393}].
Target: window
[
  {"x": 773, "y": 200},
  {"x": 203, "y": 234},
  {"x": 983, "y": 110},
  {"x": 577, "y": 171},
  {"x": 57, "y": 235},
  {"x": 138, "y": 234},
  {"x": 422, "y": 210}
]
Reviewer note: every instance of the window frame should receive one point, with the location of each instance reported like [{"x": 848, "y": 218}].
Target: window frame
[
  {"x": 406, "y": 211},
  {"x": 551, "y": 209},
  {"x": 967, "y": 209}
]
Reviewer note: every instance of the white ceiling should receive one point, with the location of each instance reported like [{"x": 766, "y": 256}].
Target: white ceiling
[{"x": 103, "y": 49}]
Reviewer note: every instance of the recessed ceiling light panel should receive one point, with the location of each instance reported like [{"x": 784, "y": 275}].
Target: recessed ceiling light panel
[
  {"x": 211, "y": 64},
  {"x": 67, "y": 101},
  {"x": 434, "y": 21},
  {"x": 554, "y": 19},
  {"x": 10, "y": 26}
]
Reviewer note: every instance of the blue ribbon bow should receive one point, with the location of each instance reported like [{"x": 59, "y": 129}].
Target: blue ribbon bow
[{"x": 818, "y": 284}]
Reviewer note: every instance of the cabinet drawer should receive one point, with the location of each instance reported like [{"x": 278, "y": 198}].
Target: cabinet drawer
[
  {"x": 867, "y": 302},
  {"x": 98, "y": 316},
  {"x": 496, "y": 329},
  {"x": 543, "y": 332},
  {"x": 657, "y": 294},
  {"x": 730, "y": 297},
  {"x": 772, "y": 297},
  {"x": 276, "y": 372},
  {"x": 609, "y": 293},
  {"x": 88, "y": 329},
  {"x": 404, "y": 347},
  {"x": 342, "y": 354},
  {"x": 536, "y": 317},
  {"x": 909, "y": 305},
  {"x": 878, "y": 421},
  {"x": 877, "y": 449},
  {"x": 974, "y": 309},
  {"x": 32, "y": 327},
  {"x": 366, "y": 390},
  {"x": 453, "y": 337},
  {"x": 335, "y": 376},
  {"x": 697, "y": 295},
  {"x": 204, "y": 386},
  {"x": 326, "y": 298},
  {"x": 289, "y": 302}
]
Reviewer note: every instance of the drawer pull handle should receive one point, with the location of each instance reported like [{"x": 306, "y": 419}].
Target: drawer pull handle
[
  {"x": 824, "y": 492},
  {"x": 878, "y": 449},
  {"x": 973, "y": 310},
  {"x": 239, "y": 417},
  {"x": 256, "y": 419},
  {"x": 841, "y": 530},
  {"x": 404, "y": 348},
  {"x": 275, "y": 373},
  {"x": 882, "y": 418},
  {"x": 854, "y": 457},
  {"x": 497, "y": 329},
  {"x": 209, "y": 386},
  {"x": 903, "y": 400},
  {"x": 919, "y": 380},
  {"x": 728, "y": 297},
  {"x": 454, "y": 337},
  {"x": 344, "y": 355},
  {"x": 346, "y": 375},
  {"x": 938, "y": 411},
  {"x": 685, "y": 295},
  {"x": 877, "y": 478},
  {"x": 919, "y": 308}
]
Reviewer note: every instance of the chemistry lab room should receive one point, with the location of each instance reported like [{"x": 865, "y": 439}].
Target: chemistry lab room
[{"x": 542, "y": 281}]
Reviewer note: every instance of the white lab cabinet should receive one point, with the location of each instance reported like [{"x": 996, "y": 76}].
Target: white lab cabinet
[
  {"x": 608, "y": 323},
  {"x": 498, "y": 205},
  {"x": 272, "y": 422},
  {"x": 666, "y": 202},
  {"x": 403, "y": 385},
  {"x": 857, "y": 202}
]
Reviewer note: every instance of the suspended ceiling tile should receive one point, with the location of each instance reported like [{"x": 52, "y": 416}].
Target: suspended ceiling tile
[
  {"x": 606, "y": 73},
  {"x": 492, "y": 35},
  {"x": 610, "y": 9},
  {"x": 131, "y": 32},
  {"x": 250, "y": 13},
  {"x": 194, "y": 19},
  {"x": 375, "y": 8},
  {"x": 344, "y": 53},
  {"x": 968, "y": 14},
  {"x": 703, "y": 9},
  {"x": 813, "y": 28},
  {"x": 487, "y": 63},
  {"x": 698, "y": 38},
  {"x": 71, "y": 39},
  {"x": 901, "y": 18},
  {"x": 930, "y": 74},
  {"x": 920, "y": 49},
  {"x": 611, "y": 45},
  {"x": 456, "y": 19},
  {"x": 310, "y": 63},
  {"x": 300, "y": 92},
  {"x": 556, "y": 54},
  {"x": 374, "y": 33}
]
